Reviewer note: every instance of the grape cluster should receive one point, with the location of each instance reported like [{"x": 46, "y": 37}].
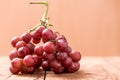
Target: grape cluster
[{"x": 54, "y": 54}]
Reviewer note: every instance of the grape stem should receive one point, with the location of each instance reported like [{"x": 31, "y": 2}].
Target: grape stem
[
  {"x": 46, "y": 11},
  {"x": 44, "y": 20}
]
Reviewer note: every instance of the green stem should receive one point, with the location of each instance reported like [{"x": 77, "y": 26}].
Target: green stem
[{"x": 46, "y": 11}]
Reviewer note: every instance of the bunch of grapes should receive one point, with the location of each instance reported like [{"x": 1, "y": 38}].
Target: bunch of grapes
[{"x": 54, "y": 54}]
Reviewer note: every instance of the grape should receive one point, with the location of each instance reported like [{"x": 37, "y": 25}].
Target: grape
[
  {"x": 14, "y": 70},
  {"x": 37, "y": 34},
  {"x": 37, "y": 61},
  {"x": 26, "y": 37},
  {"x": 23, "y": 51},
  {"x": 40, "y": 30},
  {"x": 56, "y": 66},
  {"x": 61, "y": 56},
  {"x": 28, "y": 70},
  {"x": 61, "y": 44},
  {"x": 68, "y": 50},
  {"x": 13, "y": 54},
  {"x": 45, "y": 65},
  {"x": 31, "y": 47},
  {"x": 61, "y": 37},
  {"x": 48, "y": 57},
  {"x": 15, "y": 40},
  {"x": 36, "y": 41},
  {"x": 28, "y": 61},
  {"x": 47, "y": 35},
  {"x": 74, "y": 67},
  {"x": 38, "y": 50},
  {"x": 58, "y": 71},
  {"x": 49, "y": 47},
  {"x": 17, "y": 63},
  {"x": 75, "y": 55},
  {"x": 67, "y": 62},
  {"x": 20, "y": 44}
]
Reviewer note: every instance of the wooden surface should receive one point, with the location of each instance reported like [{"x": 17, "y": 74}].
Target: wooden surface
[{"x": 92, "y": 68}]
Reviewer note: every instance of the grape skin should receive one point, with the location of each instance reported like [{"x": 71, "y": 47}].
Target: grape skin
[
  {"x": 28, "y": 61},
  {"x": 13, "y": 54},
  {"x": 23, "y": 51},
  {"x": 26, "y": 37},
  {"x": 15, "y": 40}
]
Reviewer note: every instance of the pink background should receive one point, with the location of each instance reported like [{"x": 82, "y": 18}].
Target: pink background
[{"x": 91, "y": 26}]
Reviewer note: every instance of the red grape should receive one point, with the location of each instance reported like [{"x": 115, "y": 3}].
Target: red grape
[
  {"x": 61, "y": 37},
  {"x": 36, "y": 41},
  {"x": 14, "y": 70},
  {"x": 47, "y": 35},
  {"x": 61, "y": 44},
  {"x": 75, "y": 55},
  {"x": 61, "y": 56},
  {"x": 48, "y": 57},
  {"x": 49, "y": 47},
  {"x": 68, "y": 50},
  {"x": 17, "y": 63},
  {"x": 74, "y": 67},
  {"x": 20, "y": 44},
  {"x": 28, "y": 70},
  {"x": 37, "y": 61},
  {"x": 15, "y": 40},
  {"x": 38, "y": 50},
  {"x": 67, "y": 62},
  {"x": 26, "y": 37},
  {"x": 45, "y": 65},
  {"x": 31, "y": 47},
  {"x": 23, "y": 51},
  {"x": 28, "y": 61},
  {"x": 13, "y": 54}
]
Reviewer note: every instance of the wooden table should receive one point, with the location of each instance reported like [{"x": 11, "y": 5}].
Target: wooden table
[{"x": 92, "y": 68}]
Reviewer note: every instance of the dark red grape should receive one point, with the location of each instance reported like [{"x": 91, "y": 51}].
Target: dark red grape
[
  {"x": 67, "y": 62},
  {"x": 13, "y": 54},
  {"x": 31, "y": 47},
  {"x": 37, "y": 61},
  {"x": 68, "y": 50},
  {"x": 20, "y": 44},
  {"x": 26, "y": 37},
  {"x": 28, "y": 70},
  {"x": 28, "y": 61},
  {"x": 23, "y": 51},
  {"x": 61, "y": 44},
  {"x": 55, "y": 64},
  {"x": 36, "y": 41},
  {"x": 17, "y": 63},
  {"x": 58, "y": 71},
  {"x": 61, "y": 37},
  {"x": 47, "y": 35},
  {"x": 15, "y": 40},
  {"x": 38, "y": 50},
  {"x": 37, "y": 34},
  {"x": 49, "y": 47},
  {"x": 75, "y": 55},
  {"x": 74, "y": 67},
  {"x": 48, "y": 57},
  {"x": 61, "y": 56},
  {"x": 40, "y": 30},
  {"x": 14, "y": 70},
  {"x": 45, "y": 65}
]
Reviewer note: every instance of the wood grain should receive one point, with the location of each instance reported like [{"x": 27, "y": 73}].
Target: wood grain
[{"x": 92, "y": 68}]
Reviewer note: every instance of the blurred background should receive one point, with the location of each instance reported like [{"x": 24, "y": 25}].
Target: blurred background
[{"x": 91, "y": 26}]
